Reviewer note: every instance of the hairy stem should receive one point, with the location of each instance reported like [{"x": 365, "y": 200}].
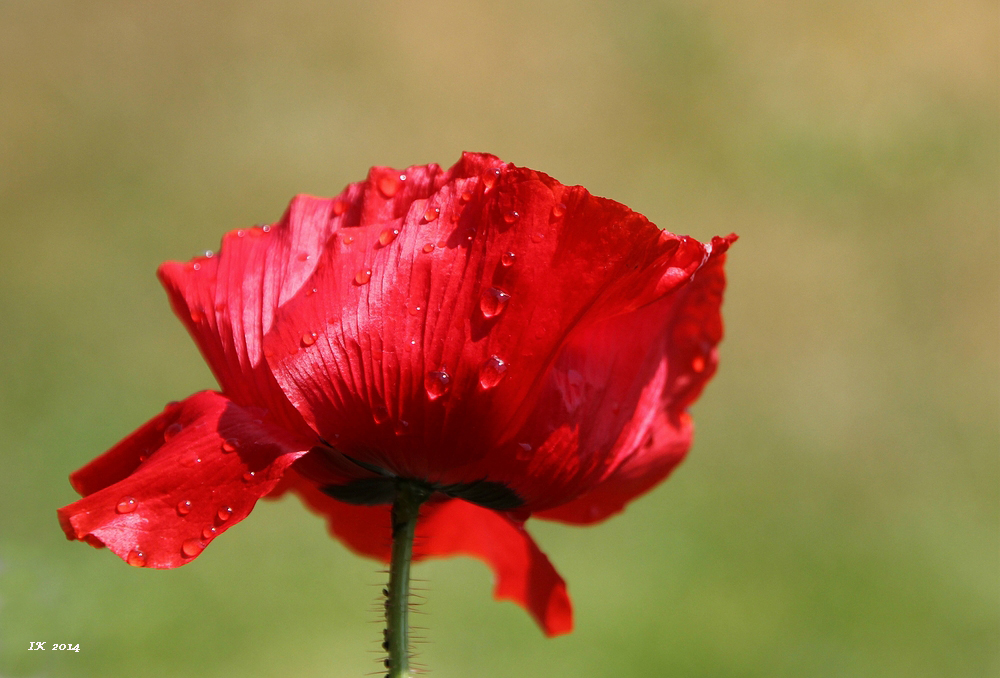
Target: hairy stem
[{"x": 405, "y": 510}]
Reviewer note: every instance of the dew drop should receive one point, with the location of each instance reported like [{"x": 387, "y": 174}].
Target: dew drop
[
  {"x": 414, "y": 309},
  {"x": 558, "y": 210},
  {"x": 302, "y": 256},
  {"x": 196, "y": 266},
  {"x": 171, "y": 431},
  {"x": 230, "y": 445},
  {"x": 208, "y": 532},
  {"x": 265, "y": 228},
  {"x": 511, "y": 217},
  {"x": 136, "y": 558},
  {"x": 191, "y": 548},
  {"x": 248, "y": 476},
  {"x": 191, "y": 460},
  {"x": 401, "y": 428},
  {"x": 184, "y": 507},
  {"x": 507, "y": 259},
  {"x": 437, "y": 383},
  {"x": 209, "y": 254},
  {"x": 387, "y": 236},
  {"x": 431, "y": 214},
  {"x": 309, "y": 338},
  {"x": 196, "y": 315},
  {"x": 224, "y": 514},
  {"x": 470, "y": 234},
  {"x": 339, "y": 207},
  {"x": 348, "y": 240},
  {"x": 241, "y": 232},
  {"x": 126, "y": 505},
  {"x": 442, "y": 244},
  {"x": 492, "y": 372},
  {"x": 698, "y": 364},
  {"x": 537, "y": 237},
  {"x": 311, "y": 291},
  {"x": 220, "y": 307},
  {"x": 493, "y": 301},
  {"x": 363, "y": 276},
  {"x": 380, "y": 414},
  {"x": 466, "y": 196},
  {"x": 428, "y": 248},
  {"x": 413, "y": 342},
  {"x": 388, "y": 185},
  {"x": 490, "y": 178},
  {"x": 525, "y": 446}
]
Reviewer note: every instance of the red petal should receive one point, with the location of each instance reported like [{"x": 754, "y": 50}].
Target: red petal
[
  {"x": 365, "y": 361},
  {"x": 659, "y": 434},
  {"x": 523, "y": 573},
  {"x": 205, "y": 450}
]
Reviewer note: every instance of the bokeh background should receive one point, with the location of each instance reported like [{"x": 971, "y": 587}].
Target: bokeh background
[{"x": 840, "y": 512}]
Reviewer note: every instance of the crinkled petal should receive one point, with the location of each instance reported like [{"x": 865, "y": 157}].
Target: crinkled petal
[
  {"x": 659, "y": 433},
  {"x": 449, "y": 527},
  {"x": 161, "y": 495},
  {"x": 438, "y": 358}
]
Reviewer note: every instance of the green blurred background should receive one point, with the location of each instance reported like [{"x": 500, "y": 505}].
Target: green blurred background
[{"x": 838, "y": 515}]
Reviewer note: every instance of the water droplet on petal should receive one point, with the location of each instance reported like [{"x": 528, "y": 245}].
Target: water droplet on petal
[
  {"x": 184, "y": 507},
  {"x": 196, "y": 315},
  {"x": 428, "y": 248},
  {"x": 191, "y": 548},
  {"x": 348, "y": 239},
  {"x": 265, "y": 228},
  {"x": 558, "y": 210},
  {"x": 311, "y": 291},
  {"x": 339, "y": 207},
  {"x": 302, "y": 256},
  {"x": 492, "y": 372},
  {"x": 380, "y": 414},
  {"x": 387, "y": 236},
  {"x": 241, "y": 232},
  {"x": 126, "y": 505},
  {"x": 388, "y": 185},
  {"x": 224, "y": 514},
  {"x": 466, "y": 196},
  {"x": 470, "y": 234},
  {"x": 442, "y": 243},
  {"x": 209, "y": 254},
  {"x": 401, "y": 427},
  {"x": 537, "y": 237},
  {"x": 248, "y": 476},
  {"x": 171, "y": 431},
  {"x": 490, "y": 178},
  {"x": 363, "y": 276},
  {"x": 437, "y": 383},
  {"x": 413, "y": 309},
  {"x": 525, "y": 446},
  {"x": 208, "y": 532},
  {"x": 136, "y": 558},
  {"x": 511, "y": 217},
  {"x": 431, "y": 214},
  {"x": 493, "y": 301},
  {"x": 507, "y": 259},
  {"x": 230, "y": 445},
  {"x": 698, "y": 364},
  {"x": 309, "y": 338},
  {"x": 196, "y": 266}
]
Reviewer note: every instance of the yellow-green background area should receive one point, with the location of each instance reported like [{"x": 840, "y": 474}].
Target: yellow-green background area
[{"x": 838, "y": 514}]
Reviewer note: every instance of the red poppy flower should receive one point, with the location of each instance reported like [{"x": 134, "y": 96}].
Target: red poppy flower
[{"x": 519, "y": 346}]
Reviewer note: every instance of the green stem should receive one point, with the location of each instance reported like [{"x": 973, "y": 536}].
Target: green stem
[{"x": 405, "y": 510}]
